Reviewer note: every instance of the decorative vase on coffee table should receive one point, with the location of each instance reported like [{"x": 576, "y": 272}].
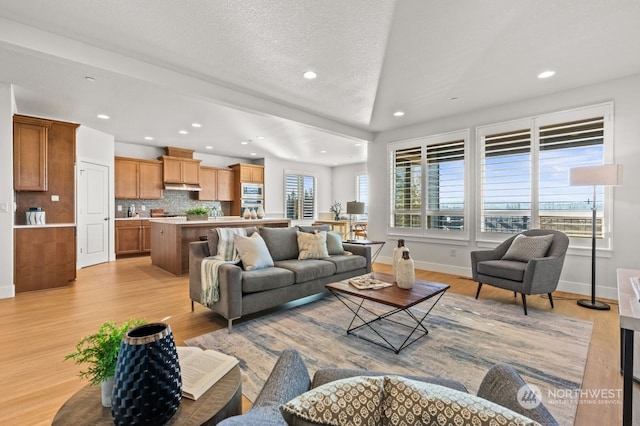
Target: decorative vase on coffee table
[
  {"x": 405, "y": 271},
  {"x": 147, "y": 386},
  {"x": 397, "y": 254}
]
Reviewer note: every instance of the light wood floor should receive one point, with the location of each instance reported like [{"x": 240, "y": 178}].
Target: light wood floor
[{"x": 39, "y": 328}]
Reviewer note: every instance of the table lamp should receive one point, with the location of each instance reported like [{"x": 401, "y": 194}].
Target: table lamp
[
  {"x": 604, "y": 175},
  {"x": 354, "y": 207}
]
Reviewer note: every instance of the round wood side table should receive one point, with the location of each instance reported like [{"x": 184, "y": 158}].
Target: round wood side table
[{"x": 222, "y": 400}]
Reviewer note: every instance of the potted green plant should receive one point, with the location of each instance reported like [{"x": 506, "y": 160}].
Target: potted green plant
[
  {"x": 198, "y": 213},
  {"x": 99, "y": 352}
]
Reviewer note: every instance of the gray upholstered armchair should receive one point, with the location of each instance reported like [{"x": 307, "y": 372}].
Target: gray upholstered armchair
[{"x": 524, "y": 265}]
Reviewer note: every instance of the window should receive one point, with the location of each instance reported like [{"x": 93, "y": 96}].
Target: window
[
  {"x": 524, "y": 172},
  {"x": 362, "y": 191},
  {"x": 428, "y": 187},
  {"x": 300, "y": 196}
]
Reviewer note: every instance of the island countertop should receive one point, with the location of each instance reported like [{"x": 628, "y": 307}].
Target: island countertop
[{"x": 170, "y": 237}]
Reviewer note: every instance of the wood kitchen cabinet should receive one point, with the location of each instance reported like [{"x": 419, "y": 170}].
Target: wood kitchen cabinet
[
  {"x": 181, "y": 170},
  {"x": 44, "y": 257},
  {"x": 138, "y": 179},
  {"x": 249, "y": 172},
  {"x": 30, "y": 148},
  {"x": 133, "y": 236},
  {"x": 216, "y": 184}
]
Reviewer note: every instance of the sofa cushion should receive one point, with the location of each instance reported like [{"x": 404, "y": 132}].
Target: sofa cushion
[
  {"x": 313, "y": 229},
  {"x": 213, "y": 238},
  {"x": 507, "y": 269},
  {"x": 523, "y": 248},
  {"x": 253, "y": 252},
  {"x": 308, "y": 269},
  {"x": 281, "y": 242},
  {"x": 312, "y": 246},
  {"x": 334, "y": 243},
  {"x": 352, "y": 401},
  {"x": 346, "y": 263},
  {"x": 266, "y": 279},
  {"x": 411, "y": 402}
]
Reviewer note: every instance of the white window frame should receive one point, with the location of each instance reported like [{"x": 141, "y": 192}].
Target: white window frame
[
  {"x": 359, "y": 195},
  {"x": 535, "y": 123},
  {"x": 315, "y": 192},
  {"x": 423, "y": 142}
]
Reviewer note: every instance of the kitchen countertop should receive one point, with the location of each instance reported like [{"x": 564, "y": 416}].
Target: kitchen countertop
[
  {"x": 221, "y": 219},
  {"x": 46, "y": 225}
]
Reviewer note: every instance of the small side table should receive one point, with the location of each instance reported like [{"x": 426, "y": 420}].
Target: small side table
[
  {"x": 374, "y": 256},
  {"x": 222, "y": 400}
]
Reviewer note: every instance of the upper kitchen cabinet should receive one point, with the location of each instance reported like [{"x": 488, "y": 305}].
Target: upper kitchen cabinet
[
  {"x": 30, "y": 147},
  {"x": 138, "y": 178},
  {"x": 216, "y": 184},
  {"x": 181, "y": 170},
  {"x": 249, "y": 172}
]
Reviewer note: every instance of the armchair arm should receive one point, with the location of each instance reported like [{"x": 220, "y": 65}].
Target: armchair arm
[
  {"x": 501, "y": 384},
  {"x": 542, "y": 275},
  {"x": 230, "y": 281}
]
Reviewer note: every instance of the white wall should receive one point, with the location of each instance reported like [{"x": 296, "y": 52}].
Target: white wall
[
  {"x": 576, "y": 275},
  {"x": 7, "y": 107},
  {"x": 96, "y": 147}
]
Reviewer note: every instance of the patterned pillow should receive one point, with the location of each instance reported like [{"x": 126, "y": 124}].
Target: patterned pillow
[
  {"x": 523, "y": 248},
  {"x": 410, "y": 402},
  {"x": 312, "y": 246},
  {"x": 351, "y": 401},
  {"x": 253, "y": 252}
]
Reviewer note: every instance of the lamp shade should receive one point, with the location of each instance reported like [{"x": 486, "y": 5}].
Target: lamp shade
[
  {"x": 355, "y": 207},
  {"x": 604, "y": 175}
]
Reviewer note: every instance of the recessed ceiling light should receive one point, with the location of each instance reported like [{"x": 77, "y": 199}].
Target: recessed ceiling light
[
  {"x": 209, "y": 147},
  {"x": 546, "y": 74},
  {"x": 103, "y": 116},
  {"x": 149, "y": 138},
  {"x": 323, "y": 152},
  {"x": 244, "y": 143},
  {"x": 196, "y": 125},
  {"x": 358, "y": 144},
  {"x": 90, "y": 79},
  {"x": 259, "y": 137},
  {"x": 398, "y": 113},
  {"x": 309, "y": 75},
  {"x": 454, "y": 99},
  {"x": 253, "y": 153},
  {"x": 183, "y": 132}
]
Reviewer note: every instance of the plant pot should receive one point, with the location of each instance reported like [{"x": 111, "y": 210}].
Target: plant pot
[
  {"x": 148, "y": 385},
  {"x": 200, "y": 217},
  {"x": 106, "y": 391}
]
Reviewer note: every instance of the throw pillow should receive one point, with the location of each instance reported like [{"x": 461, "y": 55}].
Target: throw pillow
[
  {"x": 523, "y": 248},
  {"x": 312, "y": 246},
  {"x": 253, "y": 252},
  {"x": 410, "y": 402},
  {"x": 352, "y": 401},
  {"x": 334, "y": 243}
]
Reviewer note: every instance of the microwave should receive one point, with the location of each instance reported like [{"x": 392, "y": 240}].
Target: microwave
[{"x": 252, "y": 190}]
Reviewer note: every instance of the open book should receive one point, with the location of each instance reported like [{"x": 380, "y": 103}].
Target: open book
[
  {"x": 201, "y": 369},
  {"x": 365, "y": 282}
]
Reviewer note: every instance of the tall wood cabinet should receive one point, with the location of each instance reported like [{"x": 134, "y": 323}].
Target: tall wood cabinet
[
  {"x": 136, "y": 178},
  {"x": 44, "y": 176},
  {"x": 251, "y": 173},
  {"x": 216, "y": 184}
]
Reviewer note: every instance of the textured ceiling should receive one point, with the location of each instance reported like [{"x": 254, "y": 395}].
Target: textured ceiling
[{"x": 236, "y": 66}]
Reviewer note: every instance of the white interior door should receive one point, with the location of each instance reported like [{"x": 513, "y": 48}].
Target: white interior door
[{"x": 93, "y": 214}]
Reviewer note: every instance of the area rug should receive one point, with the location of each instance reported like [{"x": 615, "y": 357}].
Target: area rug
[{"x": 466, "y": 337}]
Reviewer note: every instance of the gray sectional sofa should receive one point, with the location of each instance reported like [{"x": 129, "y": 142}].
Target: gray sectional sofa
[{"x": 243, "y": 292}]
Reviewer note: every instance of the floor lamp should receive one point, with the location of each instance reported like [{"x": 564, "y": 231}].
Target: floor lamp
[
  {"x": 353, "y": 207},
  {"x": 604, "y": 175}
]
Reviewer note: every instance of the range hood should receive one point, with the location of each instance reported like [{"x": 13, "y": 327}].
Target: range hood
[{"x": 182, "y": 186}]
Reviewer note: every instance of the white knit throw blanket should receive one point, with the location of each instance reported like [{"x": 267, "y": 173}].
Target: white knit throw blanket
[{"x": 209, "y": 279}]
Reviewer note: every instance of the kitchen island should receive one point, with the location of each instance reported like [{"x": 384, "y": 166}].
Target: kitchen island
[{"x": 170, "y": 238}]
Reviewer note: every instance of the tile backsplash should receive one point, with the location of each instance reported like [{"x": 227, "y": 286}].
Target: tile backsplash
[{"x": 174, "y": 202}]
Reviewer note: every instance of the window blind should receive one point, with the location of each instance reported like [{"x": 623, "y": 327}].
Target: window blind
[
  {"x": 445, "y": 185},
  {"x": 407, "y": 188},
  {"x": 300, "y": 196}
]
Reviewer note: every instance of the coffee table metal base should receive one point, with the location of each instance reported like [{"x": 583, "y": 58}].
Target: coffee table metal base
[{"x": 417, "y": 330}]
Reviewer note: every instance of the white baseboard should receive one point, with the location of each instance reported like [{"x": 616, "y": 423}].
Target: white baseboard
[{"x": 7, "y": 291}]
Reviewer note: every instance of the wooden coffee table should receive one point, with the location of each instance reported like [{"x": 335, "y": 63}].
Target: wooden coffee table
[
  {"x": 400, "y": 300},
  {"x": 222, "y": 400}
]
